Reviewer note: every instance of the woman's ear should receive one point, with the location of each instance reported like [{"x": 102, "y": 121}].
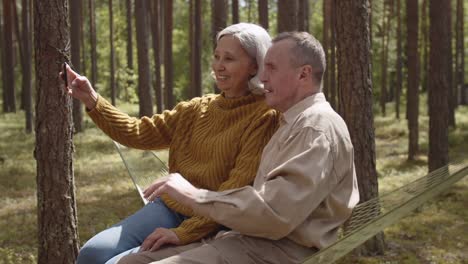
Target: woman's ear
[{"x": 253, "y": 69}]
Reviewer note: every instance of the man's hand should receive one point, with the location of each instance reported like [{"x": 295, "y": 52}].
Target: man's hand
[
  {"x": 174, "y": 185},
  {"x": 159, "y": 237}
]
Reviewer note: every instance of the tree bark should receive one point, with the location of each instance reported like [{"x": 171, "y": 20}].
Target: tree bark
[
  {"x": 130, "y": 34},
  {"x": 218, "y": 18},
  {"x": 263, "y": 13},
  {"x": 332, "y": 62},
  {"x": 27, "y": 75},
  {"x": 235, "y": 11},
  {"x": 460, "y": 53},
  {"x": 9, "y": 103},
  {"x": 383, "y": 55},
  {"x": 155, "y": 30},
  {"x": 355, "y": 82},
  {"x": 287, "y": 15},
  {"x": 112, "y": 53},
  {"x": 399, "y": 62},
  {"x": 17, "y": 41},
  {"x": 75, "y": 42},
  {"x": 168, "y": 64},
  {"x": 439, "y": 85},
  {"x": 195, "y": 48},
  {"x": 218, "y": 23},
  {"x": 425, "y": 45},
  {"x": 56, "y": 206},
  {"x": 452, "y": 94},
  {"x": 93, "y": 43},
  {"x": 326, "y": 11},
  {"x": 2, "y": 60},
  {"x": 144, "y": 77},
  {"x": 303, "y": 15},
  {"x": 413, "y": 77}
]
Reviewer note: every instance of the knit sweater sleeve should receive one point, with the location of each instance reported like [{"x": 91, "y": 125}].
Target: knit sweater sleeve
[
  {"x": 142, "y": 133},
  {"x": 253, "y": 141}
]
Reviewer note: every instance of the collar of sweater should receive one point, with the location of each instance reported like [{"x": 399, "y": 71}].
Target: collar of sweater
[{"x": 231, "y": 103}]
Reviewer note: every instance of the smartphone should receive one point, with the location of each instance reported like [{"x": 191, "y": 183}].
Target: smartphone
[{"x": 64, "y": 76}]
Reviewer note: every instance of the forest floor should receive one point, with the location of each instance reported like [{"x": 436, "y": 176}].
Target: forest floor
[{"x": 437, "y": 233}]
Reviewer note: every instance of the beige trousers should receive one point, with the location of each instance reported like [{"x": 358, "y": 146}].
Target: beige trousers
[{"x": 227, "y": 248}]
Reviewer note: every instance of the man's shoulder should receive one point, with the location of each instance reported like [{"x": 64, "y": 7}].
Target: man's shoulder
[{"x": 322, "y": 118}]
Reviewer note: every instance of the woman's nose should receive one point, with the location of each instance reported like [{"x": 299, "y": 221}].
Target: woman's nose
[{"x": 218, "y": 65}]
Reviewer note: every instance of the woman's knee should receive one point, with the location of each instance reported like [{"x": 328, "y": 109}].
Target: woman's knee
[{"x": 93, "y": 255}]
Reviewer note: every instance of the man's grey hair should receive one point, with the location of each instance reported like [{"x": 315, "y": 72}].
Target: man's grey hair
[
  {"x": 307, "y": 51},
  {"x": 255, "y": 40}
]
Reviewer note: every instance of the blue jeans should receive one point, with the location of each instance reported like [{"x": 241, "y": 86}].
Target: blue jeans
[{"x": 126, "y": 237}]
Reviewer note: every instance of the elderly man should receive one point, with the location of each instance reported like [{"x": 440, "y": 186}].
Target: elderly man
[{"x": 305, "y": 187}]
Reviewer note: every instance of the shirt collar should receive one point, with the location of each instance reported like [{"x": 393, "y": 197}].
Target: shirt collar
[{"x": 291, "y": 114}]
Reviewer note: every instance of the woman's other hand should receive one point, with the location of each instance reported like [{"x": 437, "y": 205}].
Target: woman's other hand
[{"x": 80, "y": 88}]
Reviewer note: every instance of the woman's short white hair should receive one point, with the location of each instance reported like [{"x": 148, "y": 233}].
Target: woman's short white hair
[{"x": 255, "y": 40}]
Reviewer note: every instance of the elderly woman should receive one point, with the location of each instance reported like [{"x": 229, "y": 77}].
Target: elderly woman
[{"x": 215, "y": 142}]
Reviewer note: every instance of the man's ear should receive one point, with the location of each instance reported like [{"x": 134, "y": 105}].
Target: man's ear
[{"x": 306, "y": 72}]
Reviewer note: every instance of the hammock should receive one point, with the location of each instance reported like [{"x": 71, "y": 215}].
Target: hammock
[{"x": 367, "y": 219}]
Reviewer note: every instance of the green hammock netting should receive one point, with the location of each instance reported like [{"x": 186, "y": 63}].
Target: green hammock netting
[{"x": 368, "y": 218}]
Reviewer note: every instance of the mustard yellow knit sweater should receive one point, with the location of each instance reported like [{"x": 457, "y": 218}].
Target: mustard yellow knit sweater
[{"x": 214, "y": 142}]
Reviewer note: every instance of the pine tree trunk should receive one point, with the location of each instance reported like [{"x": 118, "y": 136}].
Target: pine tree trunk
[
  {"x": 93, "y": 43},
  {"x": 355, "y": 82},
  {"x": 425, "y": 45},
  {"x": 155, "y": 30},
  {"x": 218, "y": 22},
  {"x": 2, "y": 61},
  {"x": 263, "y": 13},
  {"x": 287, "y": 15},
  {"x": 413, "y": 77},
  {"x": 218, "y": 18},
  {"x": 27, "y": 75},
  {"x": 326, "y": 11},
  {"x": 56, "y": 206},
  {"x": 399, "y": 62},
  {"x": 75, "y": 40},
  {"x": 235, "y": 11},
  {"x": 390, "y": 76},
  {"x": 303, "y": 15},
  {"x": 144, "y": 77},
  {"x": 383, "y": 83},
  {"x": 439, "y": 85},
  {"x": 17, "y": 42},
  {"x": 9, "y": 103},
  {"x": 129, "y": 33},
  {"x": 460, "y": 53},
  {"x": 452, "y": 101},
  {"x": 332, "y": 63},
  {"x": 195, "y": 49},
  {"x": 452, "y": 94},
  {"x": 112, "y": 53},
  {"x": 83, "y": 56},
  {"x": 168, "y": 64}
]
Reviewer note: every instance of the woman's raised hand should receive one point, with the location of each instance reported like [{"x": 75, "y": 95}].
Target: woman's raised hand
[{"x": 80, "y": 88}]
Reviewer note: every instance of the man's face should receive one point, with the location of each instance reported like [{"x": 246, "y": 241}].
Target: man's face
[{"x": 280, "y": 77}]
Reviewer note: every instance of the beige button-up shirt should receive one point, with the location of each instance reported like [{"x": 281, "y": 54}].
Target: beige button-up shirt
[{"x": 306, "y": 184}]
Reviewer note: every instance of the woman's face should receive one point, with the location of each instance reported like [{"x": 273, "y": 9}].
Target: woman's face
[{"x": 232, "y": 67}]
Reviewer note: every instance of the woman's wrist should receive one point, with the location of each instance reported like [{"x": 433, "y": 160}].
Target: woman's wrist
[{"x": 91, "y": 101}]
